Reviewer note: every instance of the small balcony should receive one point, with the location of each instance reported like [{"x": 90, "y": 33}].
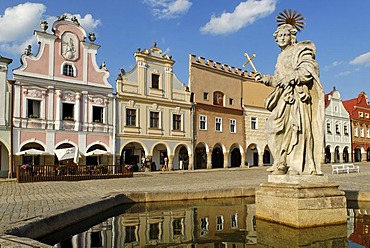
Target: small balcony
[
  {"x": 68, "y": 123},
  {"x": 33, "y": 122}
]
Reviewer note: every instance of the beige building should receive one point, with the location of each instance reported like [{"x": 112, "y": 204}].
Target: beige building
[
  {"x": 154, "y": 114},
  {"x": 255, "y": 114},
  {"x": 218, "y": 122}
]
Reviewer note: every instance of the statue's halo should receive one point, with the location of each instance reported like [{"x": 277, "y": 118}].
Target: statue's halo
[{"x": 291, "y": 17}]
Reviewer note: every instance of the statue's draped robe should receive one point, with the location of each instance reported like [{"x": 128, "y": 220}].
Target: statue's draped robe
[{"x": 295, "y": 129}]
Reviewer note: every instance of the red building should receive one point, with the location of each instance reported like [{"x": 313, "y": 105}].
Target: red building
[{"x": 359, "y": 111}]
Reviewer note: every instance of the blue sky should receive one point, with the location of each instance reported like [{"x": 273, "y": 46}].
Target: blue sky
[{"x": 221, "y": 30}]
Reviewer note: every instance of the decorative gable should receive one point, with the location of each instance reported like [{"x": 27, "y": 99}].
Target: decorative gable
[{"x": 65, "y": 56}]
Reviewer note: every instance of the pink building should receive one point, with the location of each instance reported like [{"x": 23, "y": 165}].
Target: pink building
[{"x": 62, "y": 98}]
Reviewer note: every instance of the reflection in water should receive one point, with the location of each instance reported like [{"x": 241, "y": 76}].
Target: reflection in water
[{"x": 225, "y": 223}]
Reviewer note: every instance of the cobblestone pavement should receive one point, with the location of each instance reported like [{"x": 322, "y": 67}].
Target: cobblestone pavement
[{"x": 28, "y": 200}]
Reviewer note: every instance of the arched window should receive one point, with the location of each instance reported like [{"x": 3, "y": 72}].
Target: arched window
[
  {"x": 68, "y": 70},
  {"x": 218, "y": 98}
]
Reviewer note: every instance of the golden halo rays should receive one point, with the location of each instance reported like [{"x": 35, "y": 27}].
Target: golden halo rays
[{"x": 291, "y": 17}]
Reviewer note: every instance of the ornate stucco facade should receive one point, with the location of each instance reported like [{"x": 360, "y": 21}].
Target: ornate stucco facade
[
  {"x": 218, "y": 125},
  {"x": 62, "y": 97},
  {"x": 154, "y": 114},
  {"x": 338, "y": 147},
  {"x": 5, "y": 115}
]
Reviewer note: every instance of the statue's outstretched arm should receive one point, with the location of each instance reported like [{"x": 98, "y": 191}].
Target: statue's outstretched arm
[{"x": 265, "y": 79}]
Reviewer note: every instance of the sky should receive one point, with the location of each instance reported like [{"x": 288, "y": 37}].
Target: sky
[{"x": 220, "y": 30}]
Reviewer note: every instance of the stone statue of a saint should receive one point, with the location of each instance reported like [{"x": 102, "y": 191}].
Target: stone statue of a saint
[
  {"x": 295, "y": 128},
  {"x": 69, "y": 49}
]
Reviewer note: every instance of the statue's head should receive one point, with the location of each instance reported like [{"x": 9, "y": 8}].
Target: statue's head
[{"x": 285, "y": 35}]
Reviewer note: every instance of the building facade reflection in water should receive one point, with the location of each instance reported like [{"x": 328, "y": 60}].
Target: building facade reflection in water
[{"x": 225, "y": 223}]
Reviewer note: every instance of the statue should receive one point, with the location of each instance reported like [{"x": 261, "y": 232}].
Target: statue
[
  {"x": 69, "y": 49},
  {"x": 295, "y": 128},
  {"x": 28, "y": 50}
]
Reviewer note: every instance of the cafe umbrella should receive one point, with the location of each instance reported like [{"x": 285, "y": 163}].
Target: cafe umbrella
[
  {"x": 97, "y": 153},
  {"x": 32, "y": 152}
]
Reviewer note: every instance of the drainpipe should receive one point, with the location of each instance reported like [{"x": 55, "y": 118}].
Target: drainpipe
[
  {"x": 114, "y": 131},
  {"x": 192, "y": 130},
  {"x": 10, "y": 173}
]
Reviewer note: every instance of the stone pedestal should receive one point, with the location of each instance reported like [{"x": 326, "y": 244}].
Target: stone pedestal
[
  {"x": 301, "y": 201},
  {"x": 276, "y": 235}
]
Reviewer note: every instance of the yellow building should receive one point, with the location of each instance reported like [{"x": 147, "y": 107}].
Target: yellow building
[
  {"x": 255, "y": 114},
  {"x": 154, "y": 114}
]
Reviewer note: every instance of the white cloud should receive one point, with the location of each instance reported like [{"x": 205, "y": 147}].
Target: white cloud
[
  {"x": 244, "y": 14},
  {"x": 18, "y": 23},
  {"x": 332, "y": 65},
  {"x": 167, "y": 51},
  {"x": 169, "y": 9},
  {"x": 363, "y": 59},
  {"x": 18, "y": 48},
  {"x": 344, "y": 73}
]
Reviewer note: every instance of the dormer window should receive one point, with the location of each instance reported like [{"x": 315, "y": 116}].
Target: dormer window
[{"x": 68, "y": 70}]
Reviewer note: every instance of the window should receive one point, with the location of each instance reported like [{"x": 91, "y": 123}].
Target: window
[
  {"x": 219, "y": 223},
  {"x": 367, "y": 133},
  {"x": 328, "y": 128},
  {"x": 362, "y": 134},
  {"x": 345, "y": 129},
  {"x": 154, "y": 231},
  {"x": 234, "y": 221},
  {"x": 218, "y": 124},
  {"x": 33, "y": 108},
  {"x": 232, "y": 126},
  {"x": 177, "y": 227},
  {"x": 130, "y": 234},
  {"x": 176, "y": 123},
  {"x": 98, "y": 113},
  {"x": 218, "y": 98},
  {"x": 154, "y": 119},
  {"x": 205, "y": 95},
  {"x": 367, "y": 115},
  {"x": 130, "y": 117},
  {"x": 203, "y": 226},
  {"x": 68, "y": 111},
  {"x": 254, "y": 123},
  {"x": 361, "y": 114},
  {"x": 355, "y": 130},
  {"x": 68, "y": 70},
  {"x": 203, "y": 122},
  {"x": 337, "y": 131},
  {"x": 231, "y": 101},
  {"x": 336, "y": 109},
  {"x": 155, "y": 81}
]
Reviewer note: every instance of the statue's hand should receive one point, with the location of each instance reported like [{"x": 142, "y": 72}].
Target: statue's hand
[
  {"x": 262, "y": 79},
  {"x": 258, "y": 76}
]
